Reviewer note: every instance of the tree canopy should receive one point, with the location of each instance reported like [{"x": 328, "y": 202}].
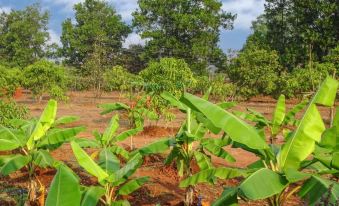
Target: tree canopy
[
  {"x": 183, "y": 29},
  {"x": 94, "y": 18},
  {"x": 23, "y": 36}
]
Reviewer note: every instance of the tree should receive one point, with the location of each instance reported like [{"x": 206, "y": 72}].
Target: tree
[
  {"x": 132, "y": 58},
  {"x": 183, "y": 29},
  {"x": 93, "y": 18},
  {"x": 302, "y": 31},
  {"x": 23, "y": 35},
  {"x": 255, "y": 71}
]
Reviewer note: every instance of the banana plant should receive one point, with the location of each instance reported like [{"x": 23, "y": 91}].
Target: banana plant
[
  {"x": 106, "y": 143},
  {"x": 31, "y": 143},
  {"x": 191, "y": 144},
  {"x": 136, "y": 113},
  {"x": 280, "y": 121},
  {"x": 272, "y": 176},
  {"x": 114, "y": 180}
]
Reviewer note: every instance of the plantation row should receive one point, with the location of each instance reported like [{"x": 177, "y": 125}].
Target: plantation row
[{"x": 306, "y": 164}]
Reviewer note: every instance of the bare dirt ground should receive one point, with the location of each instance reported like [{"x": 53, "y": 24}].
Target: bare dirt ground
[{"x": 163, "y": 187}]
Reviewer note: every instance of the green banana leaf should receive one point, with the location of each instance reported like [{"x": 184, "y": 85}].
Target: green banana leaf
[
  {"x": 132, "y": 185},
  {"x": 43, "y": 159},
  {"x": 290, "y": 115},
  {"x": 122, "y": 136},
  {"x": 87, "y": 163},
  {"x": 218, "y": 151},
  {"x": 11, "y": 139},
  {"x": 237, "y": 129},
  {"x": 125, "y": 172},
  {"x": 262, "y": 184},
  {"x": 278, "y": 114},
  {"x": 45, "y": 122},
  {"x": 65, "y": 189},
  {"x": 229, "y": 197},
  {"x": 209, "y": 174},
  {"x": 173, "y": 101},
  {"x": 111, "y": 129},
  {"x": 58, "y": 136},
  {"x": 92, "y": 195},
  {"x": 121, "y": 203},
  {"x": 65, "y": 120},
  {"x": 108, "y": 108},
  {"x": 158, "y": 146},
  {"x": 316, "y": 187},
  {"x": 203, "y": 161},
  {"x": 120, "y": 151},
  {"x": 108, "y": 161},
  {"x": 12, "y": 163},
  {"x": 87, "y": 143},
  {"x": 302, "y": 142}
]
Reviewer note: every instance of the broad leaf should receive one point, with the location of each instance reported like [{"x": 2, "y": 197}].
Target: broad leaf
[
  {"x": 122, "y": 136},
  {"x": 92, "y": 195},
  {"x": 10, "y": 139},
  {"x": 58, "y": 136},
  {"x": 65, "y": 120},
  {"x": 107, "y": 108},
  {"x": 202, "y": 160},
  {"x": 237, "y": 129},
  {"x": 108, "y": 161},
  {"x": 43, "y": 159},
  {"x": 120, "y": 203},
  {"x": 12, "y": 163},
  {"x": 228, "y": 197},
  {"x": 156, "y": 147},
  {"x": 87, "y": 163},
  {"x": 316, "y": 187},
  {"x": 45, "y": 122},
  {"x": 87, "y": 143},
  {"x": 125, "y": 172},
  {"x": 262, "y": 184},
  {"x": 65, "y": 189},
  {"x": 301, "y": 144},
  {"x": 279, "y": 114},
  {"x": 111, "y": 129},
  {"x": 218, "y": 151},
  {"x": 132, "y": 185}
]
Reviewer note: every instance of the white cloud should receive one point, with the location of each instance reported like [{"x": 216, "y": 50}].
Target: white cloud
[
  {"x": 67, "y": 5},
  {"x": 125, "y": 8},
  {"x": 133, "y": 39},
  {"x": 54, "y": 37},
  {"x": 246, "y": 10},
  {"x": 5, "y": 9}
]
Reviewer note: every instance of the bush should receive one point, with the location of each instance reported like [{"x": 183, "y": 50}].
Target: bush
[
  {"x": 46, "y": 77},
  {"x": 10, "y": 110},
  {"x": 220, "y": 88},
  {"x": 255, "y": 71},
  {"x": 119, "y": 79},
  {"x": 169, "y": 74},
  {"x": 303, "y": 80},
  {"x": 10, "y": 80}
]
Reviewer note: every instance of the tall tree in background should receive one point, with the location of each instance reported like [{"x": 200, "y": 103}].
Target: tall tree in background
[
  {"x": 132, "y": 58},
  {"x": 23, "y": 36},
  {"x": 94, "y": 18},
  {"x": 302, "y": 31},
  {"x": 187, "y": 29}
]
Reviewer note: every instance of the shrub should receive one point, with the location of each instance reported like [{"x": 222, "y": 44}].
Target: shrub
[
  {"x": 10, "y": 80},
  {"x": 119, "y": 79},
  {"x": 302, "y": 80},
  {"x": 10, "y": 110},
  {"x": 46, "y": 77},
  {"x": 170, "y": 75},
  {"x": 255, "y": 71}
]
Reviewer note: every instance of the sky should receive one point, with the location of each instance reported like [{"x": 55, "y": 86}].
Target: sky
[{"x": 246, "y": 10}]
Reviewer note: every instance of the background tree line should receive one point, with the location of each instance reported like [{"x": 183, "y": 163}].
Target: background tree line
[{"x": 293, "y": 46}]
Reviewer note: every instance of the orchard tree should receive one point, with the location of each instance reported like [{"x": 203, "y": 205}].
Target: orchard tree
[
  {"x": 23, "y": 36},
  {"x": 185, "y": 29},
  {"x": 93, "y": 18}
]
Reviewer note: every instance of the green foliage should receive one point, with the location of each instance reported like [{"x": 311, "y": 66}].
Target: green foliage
[
  {"x": 94, "y": 19},
  {"x": 114, "y": 180},
  {"x": 183, "y": 29},
  {"x": 23, "y": 35},
  {"x": 10, "y": 110},
  {"x": 254, "y": 71},
  {"x": 303, "y": 80},
  {"x": 31, "y": 143},
  {"x": 10, "y": 80},
  {"x": 119, "y": 79},
  {"x": 107, "y": 143},
  {"x": 279, "y": 166},
  {"x": 45, "y": 77},
  {"x": 170, "y": 75}
]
